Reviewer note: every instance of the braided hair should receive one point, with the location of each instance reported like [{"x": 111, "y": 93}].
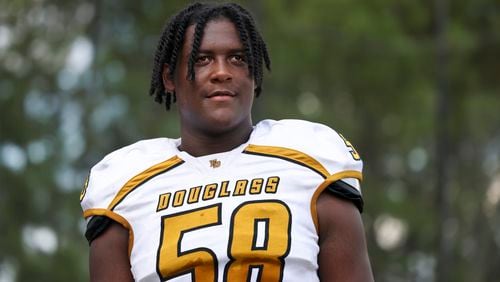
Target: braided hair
[{"x": 198, "y": 14}]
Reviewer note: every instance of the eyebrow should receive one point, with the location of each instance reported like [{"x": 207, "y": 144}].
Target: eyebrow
[{"x": 234, "y": 50}]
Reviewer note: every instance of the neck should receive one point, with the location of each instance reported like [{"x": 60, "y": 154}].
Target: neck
[{"x": 201, "y": 144}]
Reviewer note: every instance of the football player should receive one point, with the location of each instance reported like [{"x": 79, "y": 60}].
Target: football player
[{"x": 228, "y": 200}]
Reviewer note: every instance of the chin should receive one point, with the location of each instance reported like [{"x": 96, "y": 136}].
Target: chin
[
  {"x": 222, "y": 123},
  {"x": 225, "y": 122}
]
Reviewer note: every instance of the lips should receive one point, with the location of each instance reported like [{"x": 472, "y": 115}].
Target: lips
[{"x": 221, "y": 93}]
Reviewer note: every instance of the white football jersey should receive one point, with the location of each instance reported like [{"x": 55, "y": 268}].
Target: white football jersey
[{"x": 244, "y": 215}]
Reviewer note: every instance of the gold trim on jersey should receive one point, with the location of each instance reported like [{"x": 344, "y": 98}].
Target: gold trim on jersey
[
  {"x": 329, "y": 180},
  {"x": 84, "y": 190},
  {"x": 143, "y": 177},
  {"x": 289, "y": 155},
  {"x": 116, "y": 217},
  {"x": 309, "y": 162}
]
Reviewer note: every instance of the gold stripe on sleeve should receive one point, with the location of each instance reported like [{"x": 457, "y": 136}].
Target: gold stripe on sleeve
[
  {"x": 329, "y": 180},
  {"x": 143, "y": 177},
  {"x": 289, "y": 155},
  {"x": 116, "y": 217}
]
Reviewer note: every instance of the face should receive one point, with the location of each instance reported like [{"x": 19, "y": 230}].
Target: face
[{"x": 220, "y": 97}]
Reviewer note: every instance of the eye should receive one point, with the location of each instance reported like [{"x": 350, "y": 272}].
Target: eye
[
  {"x": 202, "y": 60},
  {"x": 238, "y": 59}
]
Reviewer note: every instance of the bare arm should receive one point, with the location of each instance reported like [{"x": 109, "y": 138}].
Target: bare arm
[
  {"x": 109, "y": 259},
  {"x": 343, "y": 253}
]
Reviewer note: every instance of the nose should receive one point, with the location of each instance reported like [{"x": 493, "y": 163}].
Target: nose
[{"x": 221, "y": 72}]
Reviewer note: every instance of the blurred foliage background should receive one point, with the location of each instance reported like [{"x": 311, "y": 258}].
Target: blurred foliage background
[{"x": 415, "y": 85}]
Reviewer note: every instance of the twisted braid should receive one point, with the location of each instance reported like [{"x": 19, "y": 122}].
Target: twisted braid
[
  {"x": 243, "y": 28},
  {"x": 172, "y": 40},
  {"x": 167, "y": 52},
  {"x": 197, "y": 37}
]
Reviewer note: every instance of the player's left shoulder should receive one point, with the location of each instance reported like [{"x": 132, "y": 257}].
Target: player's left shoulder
[
  {"x": 315, "y": 140},
  {"x": 303, "y": 135}
]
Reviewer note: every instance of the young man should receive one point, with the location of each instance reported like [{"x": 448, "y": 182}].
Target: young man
[{"x": 228, "y": 201}]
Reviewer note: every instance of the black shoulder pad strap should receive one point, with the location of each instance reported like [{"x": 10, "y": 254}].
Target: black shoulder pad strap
[
  {"x": 345, "y": 191},
  {"x": 96, "y": 226}
]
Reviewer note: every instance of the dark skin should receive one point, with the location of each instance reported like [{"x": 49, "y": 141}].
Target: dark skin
[
  {"x": 215, "y": 108},
  {"x": 215, "y": 115},
  {"x": 343, "y": 254},
  {"x": 109, "y": 260}
]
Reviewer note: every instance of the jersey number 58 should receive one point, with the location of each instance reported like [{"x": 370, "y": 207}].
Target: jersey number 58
[{"x": 245, "y": 250}]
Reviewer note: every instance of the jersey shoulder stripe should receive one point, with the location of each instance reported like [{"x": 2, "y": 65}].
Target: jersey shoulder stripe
[
  {"x": 288, "y": 155},
  {"x": 123, "y": 171},
  {"x": 143, "y": 177},
  {"x": 314, "y": 145}
]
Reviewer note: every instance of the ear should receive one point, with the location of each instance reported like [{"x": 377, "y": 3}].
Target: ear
[{"x": 168, "y": 83}]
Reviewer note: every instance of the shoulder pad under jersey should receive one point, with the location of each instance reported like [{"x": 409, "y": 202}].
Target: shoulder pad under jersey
[
  {"x": 332, "y": 155},
  {"x": 109, "y": 175}
]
